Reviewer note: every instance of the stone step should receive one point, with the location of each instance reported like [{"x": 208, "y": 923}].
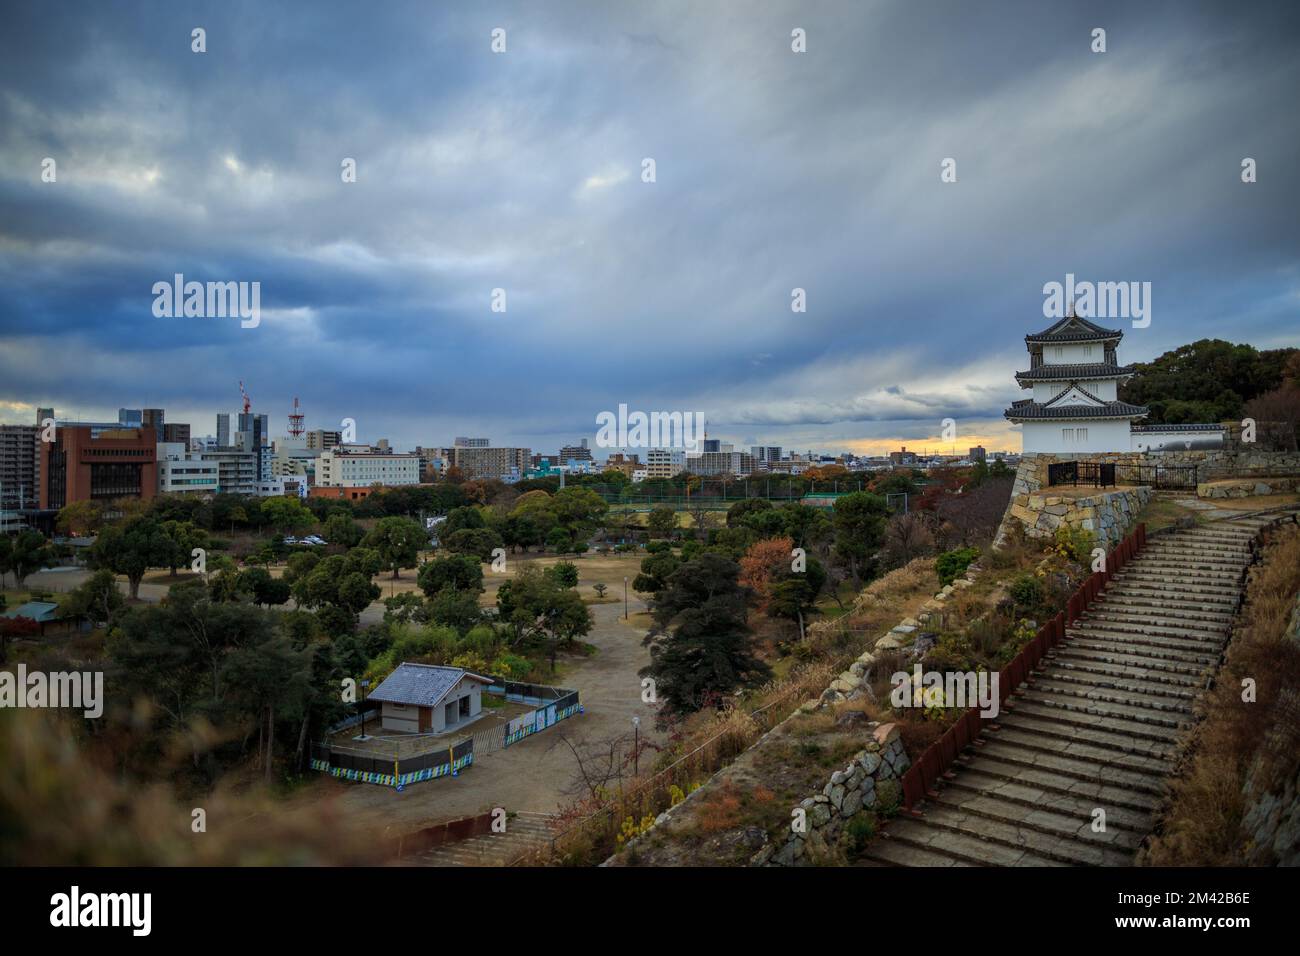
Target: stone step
[
  {"x": 1103, "y": 654},
  {"x": 1154, "y": 613},
  {"x": 1229, "y": 537},
  {"x": 1116, "y": 743},
  {"x": 936, "y": 840},
  {"x": 1208, "y": 542},
  {"x": 1191, "y": 557},
  {"x": 1127, "y": 634},
  {"x": 899, "y": 853},
  {"x": 1048, "y": 819},
  {"x": 1220, "y": 612},
  {"x": 1128, "y": 696},
  {"x": 1095, "y": 758},
  {"x": 1141, "y": 687},
  {"x": 1112, "y": 619},
  {"x": 1213, "y": 559},
  {"x": 1166, "y": 679},
  {"x": 1188, "y": 653},
  {"x": 1066, "y": 804},
  {"x": 1023, "y": 839},
  {"x": 1111, "y": 723},
  {"x": 1152, "y": 623},
  {"x": 1206, "y": 646},
  {"x": 1216, "y": 541},
  {"x": 1161, "y": 585},
  {"x": 1161, "y": 570},
  {"x": 1233, "y": 557},
  {"x": 1217, "y": 531},
  {"x": 1154, "y": 594},
  {"x": 524, "y": 832},
  {"x": 1074, "y": 774},
  {"x": 1160, "y": 725}
]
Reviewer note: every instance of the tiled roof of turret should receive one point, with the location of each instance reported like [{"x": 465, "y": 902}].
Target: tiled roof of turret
[
  {"x": 1074, "y": 328},
  {"x": 1075, "y": 372},
  {"x": 1026, "y": 410}
]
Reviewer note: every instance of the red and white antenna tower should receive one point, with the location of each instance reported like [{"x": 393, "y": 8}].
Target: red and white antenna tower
[
  {"x": 295, "y": 420},
  {"x": 247, "y": 403}
]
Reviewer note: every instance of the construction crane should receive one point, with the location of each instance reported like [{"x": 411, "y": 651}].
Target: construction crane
[
  {"x": 295, "y": 419},
  {"x": 247, "y": 403}
]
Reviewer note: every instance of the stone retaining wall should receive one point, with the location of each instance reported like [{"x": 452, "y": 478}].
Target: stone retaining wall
[
  {"x": 848, "y": 792},
  {"x": 1246, "y": 487},
  {"x": 1110, "y": 514},
  {"x": 1211, "y": 465},
  {"x": 1273, "y": 818}
]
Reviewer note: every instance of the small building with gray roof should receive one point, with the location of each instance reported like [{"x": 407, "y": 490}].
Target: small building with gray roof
[{"x": 429, "y": 698}]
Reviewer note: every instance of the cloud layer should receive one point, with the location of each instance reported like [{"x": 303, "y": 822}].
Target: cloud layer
[{"x": 523, "y": 171}]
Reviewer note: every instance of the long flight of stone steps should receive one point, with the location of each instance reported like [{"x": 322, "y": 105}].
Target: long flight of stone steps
[
  {"x": 1099, "y": 724},
  {"x": 525, "y": 831}
]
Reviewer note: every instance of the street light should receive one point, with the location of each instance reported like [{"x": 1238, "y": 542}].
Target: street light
[
  {"x": 361, "y": 707},
  {"x": 625, "y": 597},
  {"x": 636, "y": 746}
]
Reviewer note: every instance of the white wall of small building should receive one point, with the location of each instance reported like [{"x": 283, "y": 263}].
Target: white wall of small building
[
  {"x": 1175, "y": 441},
  {"x": 405, "y": 718},
  {"x": 1101, "y": 435}
]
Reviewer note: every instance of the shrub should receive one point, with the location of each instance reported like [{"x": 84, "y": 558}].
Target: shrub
[
  {"x": 952, "y": 563},
  {"x": 1027, "y": 591},
  {"x": 890, "y": 795},
  {"x": 1074, "y": 543},
  {"x": 860, "y": 831}
]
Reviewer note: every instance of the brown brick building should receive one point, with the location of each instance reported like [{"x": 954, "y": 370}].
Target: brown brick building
[{"x": 99, "y": 462}]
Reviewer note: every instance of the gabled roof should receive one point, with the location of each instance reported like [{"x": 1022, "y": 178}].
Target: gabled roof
[
  {"x": 1059, "y": 399},
  {"x": 1074, "y": 328},
  {"x": 422, "y": 685},
  {"x": 42, "y": 612},
  {"x": 1046, "y": 373}
]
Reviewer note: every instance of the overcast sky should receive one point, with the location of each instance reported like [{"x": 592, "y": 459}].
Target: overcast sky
[{"x": 522, "y": 171}]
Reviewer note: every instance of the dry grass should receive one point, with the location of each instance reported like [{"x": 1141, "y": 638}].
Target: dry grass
[
  {"x": 1162, "y": 512},
  {"x": 59, "y": 809},
  {"x": 881, "y": 598},
  {"x": 1240, "y": 741}
]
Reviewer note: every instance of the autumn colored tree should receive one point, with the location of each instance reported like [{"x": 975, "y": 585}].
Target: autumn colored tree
[{"x": 761, "y": 565}]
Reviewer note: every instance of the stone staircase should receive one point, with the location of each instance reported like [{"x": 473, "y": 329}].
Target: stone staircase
[
  {"x": 525, "y": 831},
  {"x": 1098, "y": 725}
]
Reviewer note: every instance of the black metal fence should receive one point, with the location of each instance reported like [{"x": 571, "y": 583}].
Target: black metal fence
[
  {"x": 1158, "y": 476},
  {"x": 1100, "y": 474}
]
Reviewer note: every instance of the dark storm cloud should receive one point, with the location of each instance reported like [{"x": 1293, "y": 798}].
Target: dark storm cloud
[{"x": 522, "y": 171}]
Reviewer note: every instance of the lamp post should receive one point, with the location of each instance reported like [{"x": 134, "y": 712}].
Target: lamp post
[
  {"x": 361, "y": 699},
  {"x": 636, "y": 746},
  {"x": 625, "y": 597}
]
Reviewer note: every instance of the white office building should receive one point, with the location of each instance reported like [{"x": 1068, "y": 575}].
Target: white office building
[
  {"x": 664, "y": 462},
  {"x": 342, "y": 468},
  {"x": 181, "y": 471}
]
